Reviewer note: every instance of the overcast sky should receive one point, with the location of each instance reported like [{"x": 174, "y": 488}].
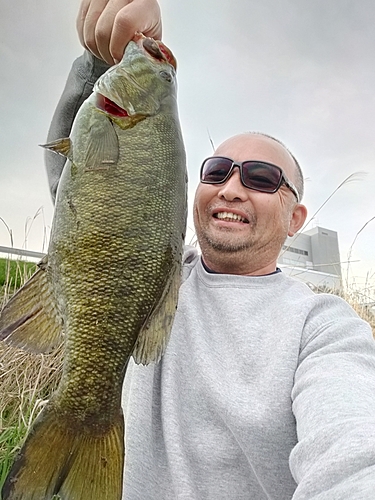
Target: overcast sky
[{"x": 301, "y": 70}]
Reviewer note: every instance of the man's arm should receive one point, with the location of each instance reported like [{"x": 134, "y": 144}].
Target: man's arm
[
  {"x": 334, "y": 406},
  {"x": 82, "y": 77},
  {"x": 104, "y": 28}
]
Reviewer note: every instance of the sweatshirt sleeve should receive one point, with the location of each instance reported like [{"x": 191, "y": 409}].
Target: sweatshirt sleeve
[
  {"x": 334, "y": 406},
  {"x": 82, "y": 77}
]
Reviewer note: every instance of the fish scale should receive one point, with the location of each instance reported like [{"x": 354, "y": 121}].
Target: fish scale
[
  {"x": 130, "y": 302},
  {"x": 112, "y": 272}
]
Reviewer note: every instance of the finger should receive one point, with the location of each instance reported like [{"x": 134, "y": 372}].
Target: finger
[
  {"x": 145, "y": 16},
  {"x": 80, "y": 21},
  {"x": 138, "y": 15},
  {"x": 104, "y": 28},
  {"x": 95, "y": 12}
]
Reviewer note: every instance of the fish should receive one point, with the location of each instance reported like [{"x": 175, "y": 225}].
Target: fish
[{"x": 108, "y": 286}]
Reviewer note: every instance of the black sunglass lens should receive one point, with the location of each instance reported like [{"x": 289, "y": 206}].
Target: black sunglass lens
[
  {"x": 260, "y": 176},
  {"x": 215, "y": 170}
]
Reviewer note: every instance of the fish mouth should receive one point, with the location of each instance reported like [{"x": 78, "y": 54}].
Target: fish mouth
[
  {"x": 155, "y": 48},
  {"x": 229, "y": 216},
  {"x": 109, "y": 99}
]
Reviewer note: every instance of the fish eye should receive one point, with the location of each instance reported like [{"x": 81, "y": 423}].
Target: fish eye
[{"x": 166, "y": 76}]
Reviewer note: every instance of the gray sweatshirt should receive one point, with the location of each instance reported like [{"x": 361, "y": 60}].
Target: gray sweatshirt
[
  {"x": 266, "y": 390},
  {"x": 264, "y": 385}
]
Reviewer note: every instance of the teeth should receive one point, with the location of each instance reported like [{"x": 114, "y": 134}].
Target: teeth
[{"x": 229, "y": 216}]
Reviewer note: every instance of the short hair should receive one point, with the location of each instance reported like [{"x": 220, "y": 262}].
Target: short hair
[{"x": 299, "y": 183}]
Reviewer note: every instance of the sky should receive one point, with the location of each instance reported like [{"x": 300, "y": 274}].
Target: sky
[{"x": 300, "y": 70}]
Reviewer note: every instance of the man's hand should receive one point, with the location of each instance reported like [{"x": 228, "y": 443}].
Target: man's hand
[{"x": 106, "y": 26}]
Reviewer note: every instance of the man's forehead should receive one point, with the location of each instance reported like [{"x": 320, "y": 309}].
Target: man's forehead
[{"x": 256, "y": 147}]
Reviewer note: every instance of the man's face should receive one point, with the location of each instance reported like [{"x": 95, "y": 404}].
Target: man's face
[{"x": 238, "y": 227}]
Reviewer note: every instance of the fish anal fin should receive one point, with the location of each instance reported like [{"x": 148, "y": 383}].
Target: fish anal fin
[
  {"x": 154, "y": 336},
  {"x": 60, "y": 146},
  {"x": 60, "y": 457},
  {"x": 30, "y": 319}
]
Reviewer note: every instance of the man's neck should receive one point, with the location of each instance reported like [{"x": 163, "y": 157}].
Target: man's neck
[
  {"x": 246, "y": 269},
  {"x": 209, "y": 270}
]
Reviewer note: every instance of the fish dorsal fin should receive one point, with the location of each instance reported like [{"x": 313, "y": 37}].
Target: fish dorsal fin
[
  {"x": 30, "y": 319},
  {"x": 154, "y": 336},
  {"x": 102, "y": 150},
  {"x": 60, "y": 146}
]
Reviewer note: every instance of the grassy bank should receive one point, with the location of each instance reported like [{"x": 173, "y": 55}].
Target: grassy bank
[
  {"x": 26, "y": 380},
  {"x": 12, "y": 274}
]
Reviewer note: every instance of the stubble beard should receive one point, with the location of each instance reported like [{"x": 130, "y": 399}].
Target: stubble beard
[
  {"x": 224, "y": 246},
  {"x": 228, "y": 244},
  {"x": 241, "y": 247}
]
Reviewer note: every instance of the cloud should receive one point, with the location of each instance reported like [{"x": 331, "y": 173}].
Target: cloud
[{"x": 301, "y": 70}]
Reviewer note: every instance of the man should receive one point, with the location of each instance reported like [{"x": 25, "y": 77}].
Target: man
[
  {"x": 249, "y": 244},
  {"x": 266, "y": 390}
]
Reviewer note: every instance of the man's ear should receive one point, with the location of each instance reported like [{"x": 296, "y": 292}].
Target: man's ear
[{"x": 298, "y": 218}]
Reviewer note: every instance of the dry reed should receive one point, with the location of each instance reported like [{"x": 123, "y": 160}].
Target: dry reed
[{"x": 26, "y": 382}]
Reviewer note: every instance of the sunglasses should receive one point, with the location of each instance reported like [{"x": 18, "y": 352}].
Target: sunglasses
[{"x": 257, "y": 175}]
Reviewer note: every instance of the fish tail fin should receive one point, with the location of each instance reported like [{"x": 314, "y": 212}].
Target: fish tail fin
[{"x": 61, "y": 459}]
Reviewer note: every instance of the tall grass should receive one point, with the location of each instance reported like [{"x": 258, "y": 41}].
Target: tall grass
[
  {"x": 12, "y": 275},
  {"x": 26, "y": 380}
]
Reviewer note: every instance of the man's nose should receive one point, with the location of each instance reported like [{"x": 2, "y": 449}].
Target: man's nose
[{"x": 233, "y": 188}]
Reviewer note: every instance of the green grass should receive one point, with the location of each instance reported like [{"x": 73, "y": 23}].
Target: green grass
[
  {"x": 26, "y": 380},
  {"x": 9, "y": 441},
  {"x": 13, "y": 273}
]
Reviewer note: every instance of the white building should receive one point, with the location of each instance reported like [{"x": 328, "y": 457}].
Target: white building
[{"x": 313, "y": 257}]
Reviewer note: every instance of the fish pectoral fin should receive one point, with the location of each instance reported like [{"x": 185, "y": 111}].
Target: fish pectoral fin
[
  {"x": 102, "y": 146},
  {"x": 30, "y": 319},
  {"x": 154, "y": 336},
  {"x": 61, "y": 457},
  {"x": 60, "y": 146}
]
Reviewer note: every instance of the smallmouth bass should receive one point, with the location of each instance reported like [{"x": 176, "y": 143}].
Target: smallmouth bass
[{"x": 109, "y": 283}]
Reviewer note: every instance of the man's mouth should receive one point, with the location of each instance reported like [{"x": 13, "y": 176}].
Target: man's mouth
[{"x": 230, "y": 217}]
